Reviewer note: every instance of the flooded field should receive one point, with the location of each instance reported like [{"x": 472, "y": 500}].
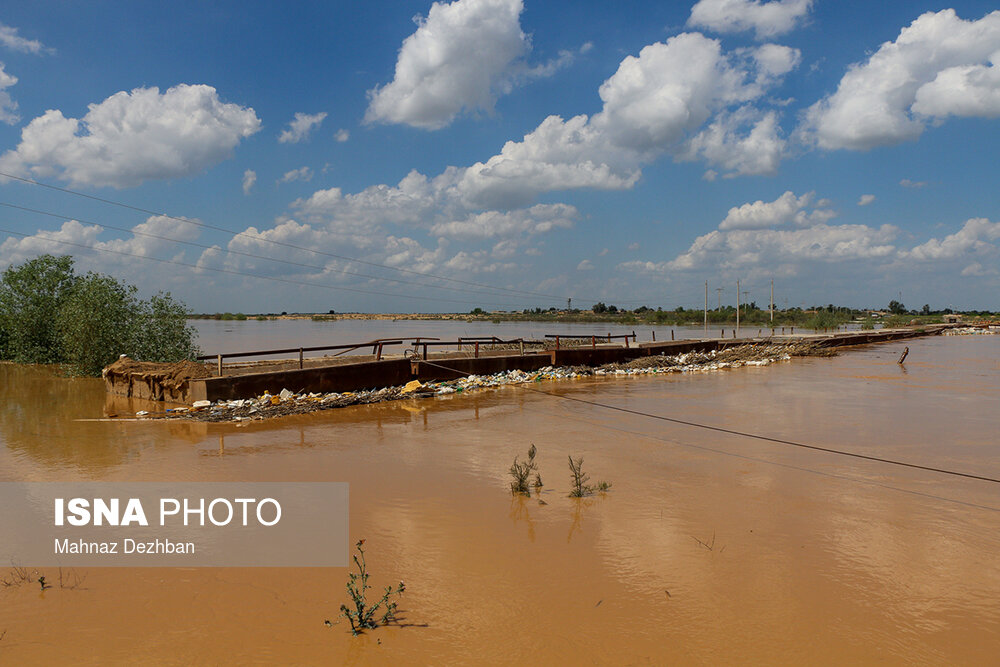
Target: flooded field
[{"x": 710, "y": 548}]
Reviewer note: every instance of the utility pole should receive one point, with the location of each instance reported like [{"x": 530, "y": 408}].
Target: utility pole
[
  {"x": 737, "y": 306},
  {"x": 706, "y": 308},
  {"x": 772, "y": 301},
  {"x": 720, "y": 290}
]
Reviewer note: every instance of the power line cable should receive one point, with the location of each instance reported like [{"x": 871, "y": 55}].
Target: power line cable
[
  {"x": 239, "y": 252},
  {"x": 758, "y": 459},
  {"x": 719, "y": 429},
  {"x": 272, "y": 241},
  {"x": 239, "y": 273}
]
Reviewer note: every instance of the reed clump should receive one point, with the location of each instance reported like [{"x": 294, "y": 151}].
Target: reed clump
[
  {"x": 363, "y": 616},
  {"x": 579, "y": 479},
  {"x": 521, "y": 474}
]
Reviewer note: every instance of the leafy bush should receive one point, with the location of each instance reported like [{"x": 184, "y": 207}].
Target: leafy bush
[
  {"x": 50, "y": 315},
  {"x": 824, "y": 320}
]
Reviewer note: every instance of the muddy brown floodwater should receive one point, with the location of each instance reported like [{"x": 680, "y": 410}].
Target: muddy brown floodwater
[{"x": 709, "y": 549}]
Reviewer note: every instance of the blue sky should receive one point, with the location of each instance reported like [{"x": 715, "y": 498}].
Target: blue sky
[{"x": 410, "y": 156}]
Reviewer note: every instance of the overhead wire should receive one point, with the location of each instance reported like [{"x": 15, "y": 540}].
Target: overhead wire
[
  {"x": 235, "y": 272},
  {"x": 757, "y": 459},
  {"x": 263, "y": 239},
  {"x": 243, "y": 254},
  {"x": 744, "y": 434},
  {"x": 691, "y": 301}
]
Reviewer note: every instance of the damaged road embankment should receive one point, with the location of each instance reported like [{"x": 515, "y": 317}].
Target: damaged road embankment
[{"x": 286, "y": 402}]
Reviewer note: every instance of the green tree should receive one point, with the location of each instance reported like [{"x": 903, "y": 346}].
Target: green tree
[
  {"x": 165, "y": 334},
  {"x": 101, "y": 319},
  {"x": 896, "y": 308},
  {"x": 48, "y": 315},
  {"x": 30, "y": 296}
]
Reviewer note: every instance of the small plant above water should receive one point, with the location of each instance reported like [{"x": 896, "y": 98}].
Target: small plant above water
[
  {"x": 521, "y": 472},
  {"x": 579, "y": 480},
  {"x": 362, "y": 617}
]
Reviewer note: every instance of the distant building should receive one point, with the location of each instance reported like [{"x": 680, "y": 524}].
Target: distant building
[{"x": 952, "y": 318}]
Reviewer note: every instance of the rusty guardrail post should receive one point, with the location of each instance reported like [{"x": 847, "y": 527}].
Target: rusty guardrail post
[
  {"x": 220, "y": 365},
  {"x": 378, "y": 355},
  {"x": 477, "y": 349},
  {"x": 521, "y": 345},
  {"x": 557, "y": 342},
  {"x": 300, "y": 358}
]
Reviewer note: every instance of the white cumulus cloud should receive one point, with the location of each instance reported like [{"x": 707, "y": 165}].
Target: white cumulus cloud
[
  {"x": 766, "y": 19},
  {"x": 342, "y": 135},
  {"x": 300, "y": 174},
  {"x": 538, "y": 219},
  {"x": 462, "y": 56},
  {"x": 784, "y": 210},
  {"x": 13, "y": 41},
  {"x": 411, "y": 202},
  {"x": 936, "y": 67},
  {"x": 744, "y": 142},
  {"x": 865, "y": 200},
  {"x": 8, "y": 107},
  {"x": 652, "y": 104},
  {"x": 148, "y": 239},
  {"x": 249, "y": 179},
  {"x": 977, "y": 235},
  {"x": 132, "y": 137},
  {"x": 970, "y": 90},
  {"x": 753, "y": 248},
  {"x": 301, "y": 127}
]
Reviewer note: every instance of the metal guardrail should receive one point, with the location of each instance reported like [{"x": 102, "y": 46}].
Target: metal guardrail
[
  {"x": 593, "y": 338},
  {"x": 377, "y": 346},
  {"x": 474, "y": 340}
]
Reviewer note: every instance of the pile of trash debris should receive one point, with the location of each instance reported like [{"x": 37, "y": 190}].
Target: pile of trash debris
[
  {"x": 286, "y": 402},
  {"x": 972, "y": 331}
]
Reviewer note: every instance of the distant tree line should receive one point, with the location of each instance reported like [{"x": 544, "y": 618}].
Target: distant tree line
[
  {"x": 51, "y": 315},
  {"x": 816, "y": 317}
]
